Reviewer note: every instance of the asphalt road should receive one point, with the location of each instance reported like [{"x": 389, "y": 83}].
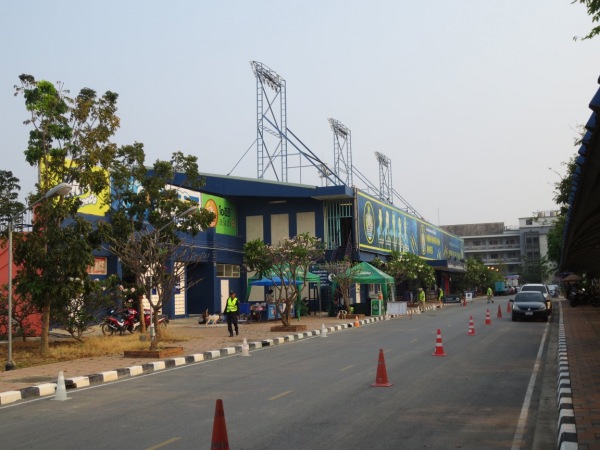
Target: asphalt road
[{"x": 316, "y": 394}]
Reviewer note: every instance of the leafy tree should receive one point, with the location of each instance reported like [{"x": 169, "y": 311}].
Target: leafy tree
[
  {"x": 22, "y": 310},
  {"x": 286, "y": 264},
  {"x": 147, "y": 227},
  {"x": 593, "y": 10},
  {"x": 409, "y": 267},
  {"x": 10, "y": 207},
  {"x": 562, "y": 190},
  {"x": 478, "y": 275},
  {"x": 69, "y": 139},
  {"x": 344, "y": 274}
]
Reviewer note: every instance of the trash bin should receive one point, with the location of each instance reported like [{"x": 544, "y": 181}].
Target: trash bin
[{"x": 376, "y": 307}]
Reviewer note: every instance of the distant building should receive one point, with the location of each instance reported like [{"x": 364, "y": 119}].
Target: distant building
[{"x": 510, "y": 249}]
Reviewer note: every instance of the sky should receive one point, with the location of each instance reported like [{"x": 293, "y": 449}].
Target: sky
[{"x": 477, "y": 103}]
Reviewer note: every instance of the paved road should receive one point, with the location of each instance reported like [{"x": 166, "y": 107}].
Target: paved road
[{"x": 317, "y": 394}]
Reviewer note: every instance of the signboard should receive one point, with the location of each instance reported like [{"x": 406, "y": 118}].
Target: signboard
[
  {"x": 225, "y": 211},
  {"x": 99, "y": 267},
  {"x": 92, "y": 204},
  {"x": 383, "y": 228}
]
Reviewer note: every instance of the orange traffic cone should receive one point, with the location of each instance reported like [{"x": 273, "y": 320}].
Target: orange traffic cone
[
  {"x": 219, "y": 434},
  {"x": 465, "y": 301},
  {"x": 508, "y": 307},
  {"x": 499, "y": 316},
  {"x": 488, "y": 320},
  {"x": 381, "y": 380},
  {"x": 356, "y": 322},
  {"x": 439, "y": 347},
  {"x": 471, "y": 331}
]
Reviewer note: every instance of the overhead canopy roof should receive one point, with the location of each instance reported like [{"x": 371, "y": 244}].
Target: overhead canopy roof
[{"x": 581, "y": 240}]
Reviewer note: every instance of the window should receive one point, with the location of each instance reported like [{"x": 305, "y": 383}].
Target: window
[
  {"x": 228, "y": 271},
  {"x": 529, "y": 222},
  {"x": 493, "y": 256}
]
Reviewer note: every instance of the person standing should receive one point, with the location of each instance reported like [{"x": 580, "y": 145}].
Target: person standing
[
  {"x": 440, "y": 297},
  {"x": 490, "y": 295},
  {"x": 421, "y": 298},
  {"x": 231, "y": 312}
]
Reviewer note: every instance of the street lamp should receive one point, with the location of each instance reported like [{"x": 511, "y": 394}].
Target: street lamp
[{"x": 60, "y": 190}]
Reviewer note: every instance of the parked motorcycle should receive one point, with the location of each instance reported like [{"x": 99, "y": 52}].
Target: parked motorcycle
[{"x": 119, "y": 321}]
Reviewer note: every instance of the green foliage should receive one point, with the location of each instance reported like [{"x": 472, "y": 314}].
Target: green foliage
[
  {"x": 147, "y": 221},
  {"x": 478, "y": 276},
  {"x": 593, "y": 10},
  {"x": 10, "y": 207},
  {"x": 287, "y": 261},
  {"x": 409, "y": 267},
  {"x": 68, "y": 140},
  {"x": 80, "y": 313},
  {"x": 22, "y": 310}
]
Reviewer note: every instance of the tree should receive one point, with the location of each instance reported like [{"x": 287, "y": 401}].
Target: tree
[
  {"x": 70, "y": 141},
  {"x": 593, "y": 10},
  {"x": 478, "y": 275},
  {"x": 148, "y": 230},
  {"x": 562, "y": 191},
  {"x": 286, "y": 264},
  {"x": 22, "y": 310},
  {"x": 409, "y": 267},
  {"x": 10, "y": 207},
  {"x": 344, "y": 275}
]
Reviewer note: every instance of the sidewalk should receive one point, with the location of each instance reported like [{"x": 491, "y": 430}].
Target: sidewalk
[{"x": 582, "y": 339}]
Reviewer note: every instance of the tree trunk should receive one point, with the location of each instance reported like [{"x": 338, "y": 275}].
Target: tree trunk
[{"x": 44, "y": 344}]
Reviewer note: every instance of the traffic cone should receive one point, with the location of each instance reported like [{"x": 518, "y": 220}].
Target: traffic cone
[
  {"x": 488, "y": 320},
  {"x": 219, "y": 433},
  {"x": 356, "y": 322},
  {"x": 381, "y": 380},
  {"x": 471, "y": 331},
  {"x": 245, "y": 348},
  {"x": 323, "y": 330},
  {"x": 61, "y": 389},
  {"x": 499, "y": 316},
  {"x": 508, "y": 307},
  {"x": 439, "y": 347},
  {"x": 465, "y": 301}
]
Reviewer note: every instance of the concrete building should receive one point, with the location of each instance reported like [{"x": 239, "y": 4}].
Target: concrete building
[{"x": 513, "y": 250}]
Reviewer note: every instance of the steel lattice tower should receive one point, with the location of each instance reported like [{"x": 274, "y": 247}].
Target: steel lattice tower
[
  {"x": 385, "y": 178},
  {"x": 271, "y": 123},
  {"x": 342, "y": 151}
]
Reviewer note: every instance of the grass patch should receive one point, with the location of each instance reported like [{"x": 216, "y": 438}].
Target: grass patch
[{"x": 27, "y": 354}]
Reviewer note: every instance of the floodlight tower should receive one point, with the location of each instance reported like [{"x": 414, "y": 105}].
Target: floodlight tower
[
  {"x": 271, "y": 123},
  {"x": 342, "y": 151},
  {"x": 385, "y": 178}
]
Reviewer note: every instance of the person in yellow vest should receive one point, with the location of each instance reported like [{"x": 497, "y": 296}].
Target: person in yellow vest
[
  {"x": 232, "y": 308},
  {"x": 421, "y": 297},
  {"x": 490, "y": 295},
  {"x": 440, "y": 297}
]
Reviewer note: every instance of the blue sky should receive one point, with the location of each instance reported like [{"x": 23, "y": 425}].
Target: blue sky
[{"x": 476, "y": 102}]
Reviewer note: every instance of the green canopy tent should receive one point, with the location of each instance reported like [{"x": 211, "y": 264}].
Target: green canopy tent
[{"x": 365, "y": 273}]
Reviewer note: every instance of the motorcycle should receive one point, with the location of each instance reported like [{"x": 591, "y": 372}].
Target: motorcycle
[
  {"x": 119, "y": 321},
  {"x": 163, "y": 320}
]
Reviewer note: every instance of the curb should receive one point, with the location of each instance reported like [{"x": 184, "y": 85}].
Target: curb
[
  {"x": 567, "y": 430},
  {"x": 49, "y": 389}
]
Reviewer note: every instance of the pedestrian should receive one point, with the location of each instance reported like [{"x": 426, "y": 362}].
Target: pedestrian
[
  {"x": 270, "y": 297},
  {"x": 441, "y": 297},
  {"x": 232, "y": 308},
  {"x": 421, "y": 298},
  {"x": 490, "y": 295}
]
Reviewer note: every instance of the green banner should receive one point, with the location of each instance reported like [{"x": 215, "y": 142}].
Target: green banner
[{"x": 225, "y": 212}]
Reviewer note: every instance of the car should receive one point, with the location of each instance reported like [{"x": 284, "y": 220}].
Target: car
[
  {"x": 543, "y": 289},
  {"x": 529, "y": 305}
]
